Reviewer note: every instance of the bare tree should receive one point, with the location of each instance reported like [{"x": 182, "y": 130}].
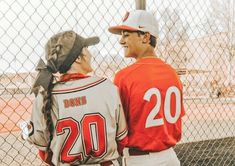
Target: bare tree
[
  {"x": 173, "y": 38},
  {"x": 222, "y": 16}
]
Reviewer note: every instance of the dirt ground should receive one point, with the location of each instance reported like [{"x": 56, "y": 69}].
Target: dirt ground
[{"x": 219, "y": 152}]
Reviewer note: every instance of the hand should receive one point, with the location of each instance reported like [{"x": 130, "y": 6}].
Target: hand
[{"x": 25, "y": 128}]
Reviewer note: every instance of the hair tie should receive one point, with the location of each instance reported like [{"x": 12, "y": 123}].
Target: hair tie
[{"x": 44, "y": 77}]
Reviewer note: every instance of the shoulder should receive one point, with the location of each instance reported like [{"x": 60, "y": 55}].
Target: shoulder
[
  {"x": 108, "y": 88},
  {"x": 172, "y": 70},
  {"x": 165, "y": 65},
  {"x": 105, "y": 82},
  {"x": 103, "y": 79},
  {"x": 39, "y": 95},
  {"x": 125, "y": 72},
  {"x": 79, "y": 85}
]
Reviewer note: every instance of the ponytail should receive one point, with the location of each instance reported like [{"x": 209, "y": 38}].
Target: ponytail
[{"x": 46, "y": 110}]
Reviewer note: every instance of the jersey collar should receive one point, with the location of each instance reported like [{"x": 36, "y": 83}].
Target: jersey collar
[
  {"x": 146, "y": 59},
  {"x": 72, "y": 76}
]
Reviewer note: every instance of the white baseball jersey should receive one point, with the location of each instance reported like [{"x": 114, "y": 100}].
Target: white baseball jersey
[{"x": 88, "y": 119}]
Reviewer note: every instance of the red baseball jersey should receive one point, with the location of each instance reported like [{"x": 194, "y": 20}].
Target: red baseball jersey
[{"x": 151, "y": 94}]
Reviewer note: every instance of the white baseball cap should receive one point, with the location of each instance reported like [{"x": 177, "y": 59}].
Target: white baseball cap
[{"x": 137, "y": 20}]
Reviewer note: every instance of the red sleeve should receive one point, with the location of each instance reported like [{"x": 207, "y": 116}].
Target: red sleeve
[
  {"x": 46, "y": 157},
  {"x": 123, "y": 91}
]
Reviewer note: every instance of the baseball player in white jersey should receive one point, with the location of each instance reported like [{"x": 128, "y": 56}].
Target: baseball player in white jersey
[{"x": 76, "y": 119}]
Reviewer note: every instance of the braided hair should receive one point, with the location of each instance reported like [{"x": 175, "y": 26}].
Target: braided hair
[
  {"x": 47, "y": 94},
  {"x": 46, "y": 110}
]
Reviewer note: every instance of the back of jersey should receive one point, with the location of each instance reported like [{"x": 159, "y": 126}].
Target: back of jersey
[
  {"x": 87, "y": 120},
  {"x": 152, "y": 99}
]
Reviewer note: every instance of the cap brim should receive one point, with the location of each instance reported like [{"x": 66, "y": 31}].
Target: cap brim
[
  {"x": 92, "y": 41},
  {"x": 118, "y": 29}
]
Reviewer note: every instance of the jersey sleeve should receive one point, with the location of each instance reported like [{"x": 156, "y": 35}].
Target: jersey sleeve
[
  {"x": 38, "y": 131},
  {"x": 121, "y": 136},
  {"x": 123, "y": 91}
]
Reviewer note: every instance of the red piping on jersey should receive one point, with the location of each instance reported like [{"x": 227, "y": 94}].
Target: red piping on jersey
[
  {"x": 79, "y": 88},
  {"x": 120, "y": 135}
]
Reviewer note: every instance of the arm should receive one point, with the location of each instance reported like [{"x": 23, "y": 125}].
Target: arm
[
  {"x": 38, "y": 133},
  {"x": 124, "y": 94},
  {"x": 37, "y": 130},
  {"x": 121, "y": 136}
]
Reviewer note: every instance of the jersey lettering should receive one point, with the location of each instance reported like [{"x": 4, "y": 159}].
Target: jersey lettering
[
  {"x": 151, "y": 121},
  {"x": 74, "y": 102},
  {"x": 74, "y": 132},
  {"x": 92, "y": 131}
]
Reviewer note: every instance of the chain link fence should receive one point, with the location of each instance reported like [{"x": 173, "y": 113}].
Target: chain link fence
[{"x": 196, "y": 37}]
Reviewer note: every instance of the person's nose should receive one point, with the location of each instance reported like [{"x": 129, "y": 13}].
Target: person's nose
[{"x": 121, "y": 41}]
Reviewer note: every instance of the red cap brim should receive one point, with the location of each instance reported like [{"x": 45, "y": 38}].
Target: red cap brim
[{"x": 118, "y": 29}]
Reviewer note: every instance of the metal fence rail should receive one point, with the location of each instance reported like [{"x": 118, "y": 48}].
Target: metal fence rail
[{"x": 196, "y": 37}]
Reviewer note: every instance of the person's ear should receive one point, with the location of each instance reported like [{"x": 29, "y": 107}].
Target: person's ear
[
  {"x": 146, "y": 38},
  {"x": 78, "y": 60}
]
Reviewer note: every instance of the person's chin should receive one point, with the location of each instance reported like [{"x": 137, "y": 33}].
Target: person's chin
[
  {"x": 127, "y": 55},
  {"x": 91, "y": 70}
]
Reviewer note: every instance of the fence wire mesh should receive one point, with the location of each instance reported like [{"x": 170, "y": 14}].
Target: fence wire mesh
[{"x": 196, "y": 37}]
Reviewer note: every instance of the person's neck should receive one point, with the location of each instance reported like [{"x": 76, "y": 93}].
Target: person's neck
[
  {"x": 80, "y": 72},
  {"x": 77, "y": 70},
  {"x": 148, "y": 55}
]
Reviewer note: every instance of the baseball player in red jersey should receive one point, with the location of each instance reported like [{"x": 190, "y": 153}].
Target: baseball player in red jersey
[
  {"x": 76, "y": 119},
  {"x": 151, "y": 94}
]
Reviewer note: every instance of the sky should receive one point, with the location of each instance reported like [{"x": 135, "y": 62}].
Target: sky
[{"x": 26, "y": 25}]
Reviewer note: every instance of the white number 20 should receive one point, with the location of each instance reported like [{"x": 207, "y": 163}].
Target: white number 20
[{"x": 151, "y": 121}]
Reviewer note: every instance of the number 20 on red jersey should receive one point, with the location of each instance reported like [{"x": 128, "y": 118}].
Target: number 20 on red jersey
[{"x": 151, "y": 121}]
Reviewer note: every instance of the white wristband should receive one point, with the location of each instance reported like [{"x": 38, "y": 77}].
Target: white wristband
[{"x": 25, "y": 129}]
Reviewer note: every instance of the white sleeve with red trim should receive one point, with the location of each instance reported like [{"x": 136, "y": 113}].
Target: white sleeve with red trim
[
  {"x": 121, "y": 136},
  {"x": 38, "y": 133}
]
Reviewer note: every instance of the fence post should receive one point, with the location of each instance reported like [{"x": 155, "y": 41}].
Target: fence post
[{"x": 140, "y": 4}]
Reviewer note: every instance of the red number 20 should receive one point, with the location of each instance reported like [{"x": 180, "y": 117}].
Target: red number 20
[{"x": 93, "y": 132}]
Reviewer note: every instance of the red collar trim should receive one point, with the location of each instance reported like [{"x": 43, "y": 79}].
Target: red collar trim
[{"x": 73, "y": 76}]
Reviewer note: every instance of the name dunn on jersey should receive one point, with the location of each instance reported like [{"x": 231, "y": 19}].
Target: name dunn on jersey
[{"x": 75, "y": 102}]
